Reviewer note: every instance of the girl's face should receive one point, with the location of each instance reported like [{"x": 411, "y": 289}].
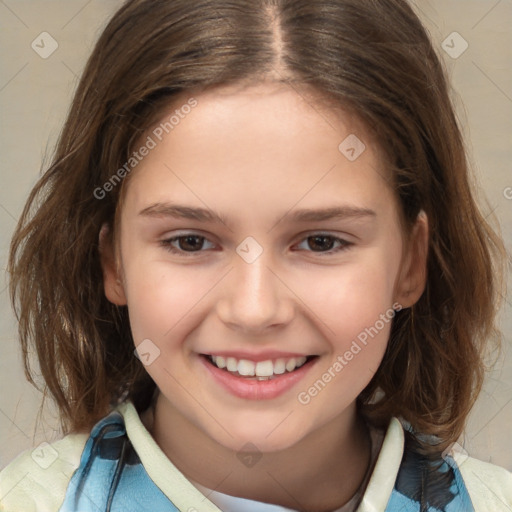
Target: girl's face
[{"x": 308, "y": 260}]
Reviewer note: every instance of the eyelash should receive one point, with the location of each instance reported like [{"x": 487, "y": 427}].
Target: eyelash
[{"x": 345, "y": 245}]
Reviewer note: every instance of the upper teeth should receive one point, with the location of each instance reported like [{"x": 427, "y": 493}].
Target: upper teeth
[{"x": 261, "y": 368}]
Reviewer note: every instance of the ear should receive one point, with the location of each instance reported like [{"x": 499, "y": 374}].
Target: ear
[
  {"x": 114, "y": 290},
  {"x": 412, "y": 277}
]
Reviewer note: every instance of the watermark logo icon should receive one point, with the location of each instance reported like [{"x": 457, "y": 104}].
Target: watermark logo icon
[
  {"x": 147, "y": 352},
  {"x": 44, "y": 45},
  {"x": 249, "y": 455},
  {"x": 249, "y": 250},
  {"x": 44, "y": 455},
  {"x": 352, "y": 147},
  {"x": 455, "y": 45}
]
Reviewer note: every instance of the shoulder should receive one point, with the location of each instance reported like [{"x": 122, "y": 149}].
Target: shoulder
[
  {"x": 489, "y": 486},
  {"x": 37, "y": 479},
  {"x": 454, "y": 480}
]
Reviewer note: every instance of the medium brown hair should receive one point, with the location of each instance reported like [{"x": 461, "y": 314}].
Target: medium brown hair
[{"x": 371, "y": 57}]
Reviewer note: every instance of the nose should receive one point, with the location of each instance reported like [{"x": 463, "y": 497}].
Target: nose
[{"x": 254, "y": 297}]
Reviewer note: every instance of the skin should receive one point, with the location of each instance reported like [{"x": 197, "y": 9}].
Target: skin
[{"x": 254, "y": 155}]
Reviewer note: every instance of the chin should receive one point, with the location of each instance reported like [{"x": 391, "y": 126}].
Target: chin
[{"x": 266, "y": 440}]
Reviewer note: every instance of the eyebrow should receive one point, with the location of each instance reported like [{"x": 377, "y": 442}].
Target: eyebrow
[{"x": 179, "y": 211}]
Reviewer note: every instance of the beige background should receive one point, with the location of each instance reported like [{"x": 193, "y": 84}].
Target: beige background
[{"x": 34, "y": 97}]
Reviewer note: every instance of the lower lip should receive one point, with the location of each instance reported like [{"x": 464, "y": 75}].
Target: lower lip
[{"x": 257, "y": 389}]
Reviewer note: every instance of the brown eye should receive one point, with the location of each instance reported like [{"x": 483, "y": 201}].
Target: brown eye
[
  {"x": 183, "y": 244},
  {"x": 325, "y": 243},
  {"x": 190, "y": 242},
  {"x": 321, "y": 243}
]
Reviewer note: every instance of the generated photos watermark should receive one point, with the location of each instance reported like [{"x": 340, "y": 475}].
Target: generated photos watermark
[
  {"x": 157, "y": 135},
  {"x": 305, "y": 397}
]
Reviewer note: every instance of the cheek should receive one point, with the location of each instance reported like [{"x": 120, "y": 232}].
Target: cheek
[
  {"x": 163, "y": 308},
  {"x": 163, "y": 302},
  {"x": 362, "y": 316},
  {"x": 357, "y": 316},
  {"x": 351, "y": 297}
]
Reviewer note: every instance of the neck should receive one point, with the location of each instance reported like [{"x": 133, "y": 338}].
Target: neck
[{"x": 333, "y": 460}]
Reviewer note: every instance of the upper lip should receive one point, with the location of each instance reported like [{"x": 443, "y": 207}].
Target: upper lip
[{"x": 259, "y": 356}]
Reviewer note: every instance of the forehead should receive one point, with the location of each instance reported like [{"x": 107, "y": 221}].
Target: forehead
[
  {"x": 260, "y": 99},
  {"x": 269, "y": 143}
]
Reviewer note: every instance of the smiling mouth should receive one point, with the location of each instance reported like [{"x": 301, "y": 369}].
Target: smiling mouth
[{"x": 262, "y": 370}]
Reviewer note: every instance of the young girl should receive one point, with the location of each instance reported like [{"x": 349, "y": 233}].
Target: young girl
[{"x": 255, "y": 275}]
